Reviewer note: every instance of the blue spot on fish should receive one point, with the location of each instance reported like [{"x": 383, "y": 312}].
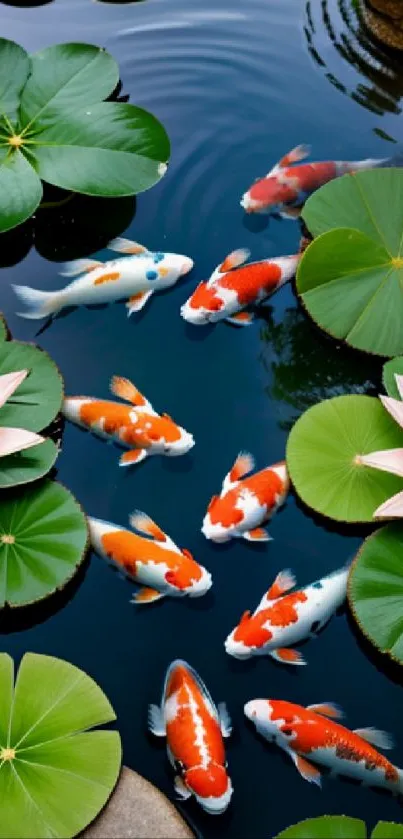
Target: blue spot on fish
[
  {"x": 158, "y": 257},
  {"x": 318, "y": 584},
  {"x": 152, "y": 275}
]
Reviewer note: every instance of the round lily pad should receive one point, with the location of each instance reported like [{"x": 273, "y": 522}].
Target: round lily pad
[
  {"x": 38, "y": 399},
  {"x": 55, "y": 774},
  {"x": 323, "y": 452},
  {"x": 43, "y": 539},
  {"x": 3, "y": 329},
  {"x": 351, "y": 278},
  {"x": 375, "y": 590},
  {"x": 27, "y": 466},
  {"x": 390, "y": 370},
  {"x": 340, "y": 827}
]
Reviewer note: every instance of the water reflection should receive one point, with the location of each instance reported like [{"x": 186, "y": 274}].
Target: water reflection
[
  {"x": 306, "y": 366},
  {"x": 378, "y": 85}
]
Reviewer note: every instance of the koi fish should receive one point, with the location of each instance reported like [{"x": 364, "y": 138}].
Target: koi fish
[
  {"x": 282, "y": 620},
  {"x": 246, "y": 503},
  {"x": 232, "y": 288},
  {"x": 151, "y": 559},
  {"x": 194, "y": 728},
  {"x": 286, "y": 187},
  {"x": 310, "y": 734},
  {"x": 139, "y": 428},
  {"x": 136, "y": 277}
]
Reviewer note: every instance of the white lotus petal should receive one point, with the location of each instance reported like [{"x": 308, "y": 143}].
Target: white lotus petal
[
  {"x": 392, "y": 508},
  {"x": 393, "y": 407},
  {"x": 9, "y": 383},
  {"x": 388, "y": 460},
  {"x": 17, "y": 439}
]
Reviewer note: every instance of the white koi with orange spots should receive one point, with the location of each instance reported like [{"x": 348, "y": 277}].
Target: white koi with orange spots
[
  {"x": 246, "y": 503},
  {"x": 285, "y": 618},
  {"x": 194, "y": 728},
  {"x": 234, "y": 286},
  {"x": 137, "y": 426},
  {"x": 310, "y": 736},
  {"x": 134, "y": 277},
  {"x": 149, "y": 558}
]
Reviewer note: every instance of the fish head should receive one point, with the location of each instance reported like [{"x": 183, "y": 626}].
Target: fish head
[
  {"x": 211, "y": 786},
  {"x": 273, "y": 719},
  {"x": 222, "y": 519},
  {"x": 177, "y": 440},
  {"x": 189, "y": 577},
  {"x": 250, "y": 635},
  {"x": 268, "y": 193},
  {"x": 171, "y": 267},
  {"x": 204, "y": 306},
  {"x": 280, "y": 469}
]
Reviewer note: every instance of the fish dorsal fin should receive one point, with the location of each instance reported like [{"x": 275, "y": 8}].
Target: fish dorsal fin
[
  {"x": 126, "y": 246},
  {"x": 234, "y": 260},
  {"x": 327, "y": 709},
  {"x": 125, "y": 389},
  {"x": 244, "y": 464},
  {"x": 245, "y": 617},
  {"x": 380, "y": 739},
  {"x": 79, "y": 266},
  {"x": 294, "y": 156},
  {"x": 284, "y": 581},
  {"x": 145, "y": 525}
]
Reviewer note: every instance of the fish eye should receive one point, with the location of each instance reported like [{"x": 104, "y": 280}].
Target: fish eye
[{"x": 287, "y": 731}]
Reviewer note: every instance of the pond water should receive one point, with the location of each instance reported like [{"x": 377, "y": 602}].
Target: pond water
[{"x": 236, "y": 84}]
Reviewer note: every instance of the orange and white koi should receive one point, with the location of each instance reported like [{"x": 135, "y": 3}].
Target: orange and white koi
[
  {"x": 231, "y": 288},
  {"x": 310, "y": 736},
  {"x": 283, "y": 619},
  {"x": 134, "y": 277},
  {"x": 246, "y": 503},
  {"x": 194, "y": 728},
  {"x": 138, "y": 427},
  {"x": 149, "y": 558},
  {"x": 287, "y": 186}
]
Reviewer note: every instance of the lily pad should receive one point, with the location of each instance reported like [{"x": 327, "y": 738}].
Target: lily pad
[
  {"x": 27, "y": 466},
  {"x": 375, "y": 590},
  {"x": 3, "y": 329},
  {"x": 323, "y": 457},
  {"x": 390, "y": 369},
  {"x": 351, "y": 279},
  {"x": 43, "y": 539},
  {"x": 55, "y": 775},
  {"x": 38, "y": 399},
  {"x": 340, "y": 827}
]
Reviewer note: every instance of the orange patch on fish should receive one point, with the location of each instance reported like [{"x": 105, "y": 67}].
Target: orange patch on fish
[
  {"x": 107, "y": 278},
  {"x": 163, "y": 272},
  {"x": 284, "y": 612},
  {"x": 181, "y": 732},
  {"x": 114, "y": 416},
  {"x": 127, "y": 549},
  {"x": 251, "y": 630},
  {"x": 205, "y": 298},
  {"x": 150, "y": 429},
  {"x": 265, "y": 485},
  {"x": 249, "y": 280}
]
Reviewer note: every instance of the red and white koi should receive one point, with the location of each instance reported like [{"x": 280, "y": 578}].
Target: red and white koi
[
  {"x": 138, "y": 427},
  {"x": 287, "y": 186},
  {"x": 149, "y": 558},
  {"x": 311, "y": 736},
  {"x": 283, "y": 619},
  {"x": 134, "y": 277},
  {"x": 194, "y": 728},
  {"x": 246, "y": 503},
  {"x": 232, "y": 288}
]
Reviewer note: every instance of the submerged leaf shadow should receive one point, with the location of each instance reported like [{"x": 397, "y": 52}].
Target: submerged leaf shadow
[{"x": 26, "y": 4}]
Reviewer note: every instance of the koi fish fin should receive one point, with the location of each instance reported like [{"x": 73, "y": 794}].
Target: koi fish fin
[
  {"x": 258, "y": 534},
  {"x": 137, "y": 302},
  {"x": 241, "y": 319},
  {"x": 309, "y": 772},
  {"x": 79, "y": 266},
  {"x": 380, "y": 739},
  {"x": 125, "y": 389},
  {"x": 290, "y": 213},
  {"x": 41, "y": 303},
  {"x": 144, "y": 524},
  {"x": 181, "y": 789},
  {"x": 284, "y": 581},
  {"x": 146, "y": 595},
  {"x": 327, "y": 709},
  {"x": 243, "y": 465},
  {"x": 132, "y": 457},
  {"x": 285, "y": 655},
  {"x": 234, "y": 260},
  {"x": 126, "y": 246},
  {"x": 156, "y": 722},
  {"x": 225, "y": 719},
  {"x": 294, "y": 156}
]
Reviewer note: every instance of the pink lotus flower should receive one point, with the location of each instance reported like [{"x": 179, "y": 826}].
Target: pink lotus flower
[
  {"x": 389, "y": 460},
  {"x": 14, "y": 440}
]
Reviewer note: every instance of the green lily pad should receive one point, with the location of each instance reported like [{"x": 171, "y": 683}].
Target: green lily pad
[
  {"x": 321, "y": 457},
  {"x": 3, "y": 329},
  {"x": 375, "y": 590},
  {"x": 55, "y": 775},
  {"x": 28, "y": 465},
  {"x": 390, "y": 369},
  {"x": 43, "y": 539},
  {"x": 11, "y": 85},
  {"x": 39, "y": 398},
  {"x": 339, "y": 827},
  {"x": 351, "y": 279}
]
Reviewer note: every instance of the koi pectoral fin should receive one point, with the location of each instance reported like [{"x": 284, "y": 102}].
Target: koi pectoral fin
[
  {"x": 137, "y": 302},
  {"x": 259, "y": 534},
  {"x": 309, "y": 772},
  {"x": 181, "y": 789},
  {"x": 126, "y": 246},
  {"x": 241, "y": 319},
  {"x": 146, "y": 595},
  {"x": 380, "y": 739},
  {"x": 132, "y": 457},
  {"x": 285, "y": 655},
  {"x": 144, "y": 524},
  {"x": 284, "y": 581},
  {"x": 327, "y": 709},
  {"x": 225, "y": 720},
  {"x": 156, "y": 722}
]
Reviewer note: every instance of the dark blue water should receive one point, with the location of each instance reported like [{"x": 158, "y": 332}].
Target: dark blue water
[{"x": 236, "y": 84}]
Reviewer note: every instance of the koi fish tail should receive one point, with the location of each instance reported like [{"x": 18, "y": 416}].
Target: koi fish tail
[
  {"x": 41, "y": 303},
  {"x": 368, "y": 163}
]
